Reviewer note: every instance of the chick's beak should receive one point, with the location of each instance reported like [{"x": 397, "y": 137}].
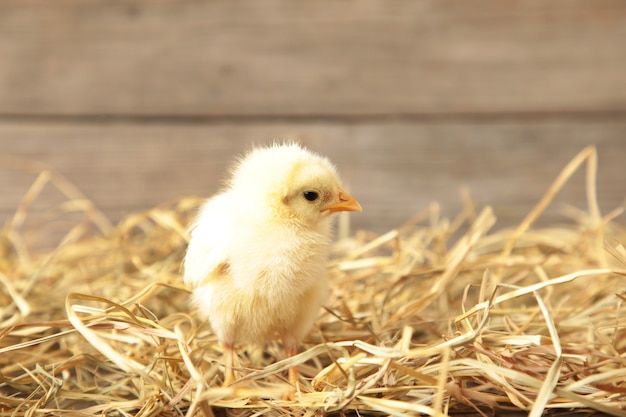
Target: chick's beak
[{"x": 346, "y": 203}]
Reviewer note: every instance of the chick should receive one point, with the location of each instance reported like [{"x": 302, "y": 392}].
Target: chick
[{"x": 257, "y": 253}]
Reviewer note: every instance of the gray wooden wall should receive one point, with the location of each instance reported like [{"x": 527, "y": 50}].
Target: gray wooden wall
[{"x": 142, "y": 101}]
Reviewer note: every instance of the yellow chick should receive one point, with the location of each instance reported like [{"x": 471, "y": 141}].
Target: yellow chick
[{"x": 257, "y": 253}]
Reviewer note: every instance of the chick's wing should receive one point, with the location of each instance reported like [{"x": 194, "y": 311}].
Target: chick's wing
[{"x": 208, "y": 251}]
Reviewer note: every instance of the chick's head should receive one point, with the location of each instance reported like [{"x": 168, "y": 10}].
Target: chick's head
[{"x": 291, "y": 183}]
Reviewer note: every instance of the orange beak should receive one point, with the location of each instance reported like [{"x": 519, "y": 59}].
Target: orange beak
[{"x": 346, "y": 203}]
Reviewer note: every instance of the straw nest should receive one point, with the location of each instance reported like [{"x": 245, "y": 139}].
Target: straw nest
[{"x": 440, "y": 316}]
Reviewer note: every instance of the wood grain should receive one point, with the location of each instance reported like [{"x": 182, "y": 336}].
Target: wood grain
[
  {"x": 278, "y": 58},
  {"x": 394, "y": 169},
  {"x": 138, "y": 102}
]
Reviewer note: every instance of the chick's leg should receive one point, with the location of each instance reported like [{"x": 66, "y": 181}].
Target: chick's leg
[
  {"x": 229, "y": 359},
  {"x": 291, "y": 349}
]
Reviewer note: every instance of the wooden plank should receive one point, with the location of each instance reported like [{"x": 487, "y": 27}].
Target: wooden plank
[
  {"x": 394, "y": 169},
  {"x": 280, "y": 58}
]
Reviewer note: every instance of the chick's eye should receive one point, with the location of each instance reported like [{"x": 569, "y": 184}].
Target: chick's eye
[{"x": 311, "y": 195}]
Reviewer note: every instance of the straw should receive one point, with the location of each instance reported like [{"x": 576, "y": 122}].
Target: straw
[{"x": 437, "y": 317}]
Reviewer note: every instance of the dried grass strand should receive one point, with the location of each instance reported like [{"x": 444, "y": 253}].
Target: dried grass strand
[{"x": 419, "y": 322}]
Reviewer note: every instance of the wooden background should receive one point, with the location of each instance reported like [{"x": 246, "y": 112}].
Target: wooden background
[{"x": 142, "y": 101}]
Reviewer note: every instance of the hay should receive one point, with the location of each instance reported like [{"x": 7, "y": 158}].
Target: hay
[{"x": 440, "y": 316}]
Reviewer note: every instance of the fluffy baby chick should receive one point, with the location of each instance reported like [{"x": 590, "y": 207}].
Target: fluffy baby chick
[{"x": 257, "y": 253}]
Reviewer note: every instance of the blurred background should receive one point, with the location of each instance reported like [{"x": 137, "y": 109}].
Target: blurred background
[{"x": 138, "y": 102}]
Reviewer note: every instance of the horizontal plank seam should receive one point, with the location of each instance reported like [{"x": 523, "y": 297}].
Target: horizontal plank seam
[{"x": 307, "y": 118}]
